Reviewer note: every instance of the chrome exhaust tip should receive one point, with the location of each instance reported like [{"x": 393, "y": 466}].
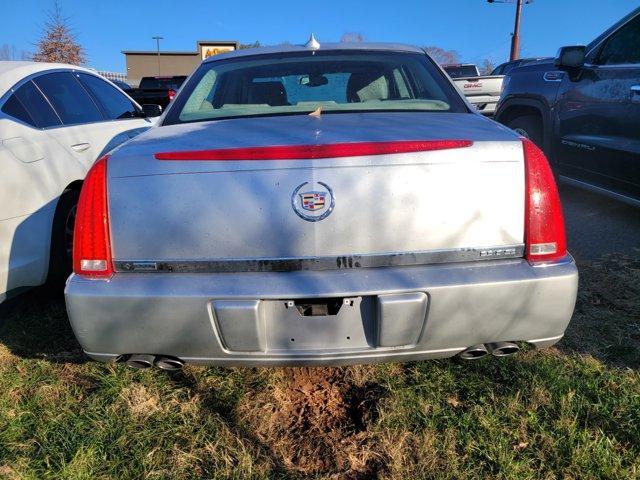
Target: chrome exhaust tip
[
  {"x": 140, "y": 361},
  {"x": 169, "y": 363},
  {"x": 474, "y": 353},
  {"x": 502, "y": 349}
]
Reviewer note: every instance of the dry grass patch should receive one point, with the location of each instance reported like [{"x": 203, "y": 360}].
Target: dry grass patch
[
  {"x": 140, "y": 401},
  {"x": 8, "y": 473},
  {"x": 7, "y": 359}
]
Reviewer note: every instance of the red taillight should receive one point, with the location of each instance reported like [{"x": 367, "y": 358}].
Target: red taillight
[
  {"x": 91, "y": 245},
  {"x": 171, "y": 94},
  {"x": 544, "y": 225},
  {"x": 305, "y": 152}
]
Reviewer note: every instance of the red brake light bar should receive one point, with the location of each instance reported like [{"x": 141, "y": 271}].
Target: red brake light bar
[{"x": 306, "y": 152}]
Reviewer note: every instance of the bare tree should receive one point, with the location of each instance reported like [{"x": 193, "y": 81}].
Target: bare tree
[
  {"x": 58, "y": 43},
  {"x": 486, "y": 67},
  {"x": 10, "y": 52},
  {"x": 352, "y": 37},
  {"x": 243, "y": 46},
  {"x": 442, "y": 56},
  {"x": 6, "y": 52}
]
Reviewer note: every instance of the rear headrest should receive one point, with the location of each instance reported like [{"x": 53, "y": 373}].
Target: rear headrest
[
  {"x": 271, "y": 93},
  {"x": 367, "y": 86}
]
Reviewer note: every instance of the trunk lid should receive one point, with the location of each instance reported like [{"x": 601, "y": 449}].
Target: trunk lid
[{"x": 419, "y": 206}]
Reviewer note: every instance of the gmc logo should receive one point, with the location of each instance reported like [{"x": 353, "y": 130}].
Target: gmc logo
[{"x": 473, "y": 85}]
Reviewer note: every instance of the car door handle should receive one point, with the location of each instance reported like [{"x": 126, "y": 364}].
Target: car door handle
[
  {"x": 81, "y": 147},
  {"x": 635, "y": 93}
]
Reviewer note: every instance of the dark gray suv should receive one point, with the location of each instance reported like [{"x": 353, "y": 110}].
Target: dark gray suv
[{"x": 583, "y": 109}]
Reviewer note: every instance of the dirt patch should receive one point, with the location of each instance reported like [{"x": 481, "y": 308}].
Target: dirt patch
[
  {"x": 318, "y": 421},
  {"x": 606, "y": 322}
]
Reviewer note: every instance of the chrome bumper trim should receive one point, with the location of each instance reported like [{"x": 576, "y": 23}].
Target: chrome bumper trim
[{"x": 236, "y": 265}]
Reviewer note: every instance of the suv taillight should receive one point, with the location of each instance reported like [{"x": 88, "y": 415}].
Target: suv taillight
[
  {"x": 91, "y": 245},
  {"x": 545, "y": 239},
  {"x": 171, "y": 94}
]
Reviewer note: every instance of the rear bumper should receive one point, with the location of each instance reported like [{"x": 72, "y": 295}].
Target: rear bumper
[{"x": 390, "y": 314}]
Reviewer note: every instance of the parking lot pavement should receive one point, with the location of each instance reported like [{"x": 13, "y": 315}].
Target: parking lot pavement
[{"x": 597, "y": 225}]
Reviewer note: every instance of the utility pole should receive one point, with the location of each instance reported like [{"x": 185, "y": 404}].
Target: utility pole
[
  {"x": 515, "y": 40},
  {"x": 157, "y": 39},
  {"x": 515, "y": 37}
]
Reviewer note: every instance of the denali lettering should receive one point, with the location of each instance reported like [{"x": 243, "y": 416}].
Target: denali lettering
[{"x": 583, "y": 146}]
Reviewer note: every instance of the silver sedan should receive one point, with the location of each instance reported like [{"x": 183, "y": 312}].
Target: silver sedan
[{"x": 319, "y": 204}]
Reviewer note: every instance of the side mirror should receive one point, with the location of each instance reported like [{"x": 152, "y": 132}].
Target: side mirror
[
  {"x": 571, "y": 57},
  {"x": 151, "y": 110}
]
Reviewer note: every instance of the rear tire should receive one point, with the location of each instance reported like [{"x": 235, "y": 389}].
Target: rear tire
[
  {"x": 61, "y": 256},
  {"x": 529, "y": 126}
]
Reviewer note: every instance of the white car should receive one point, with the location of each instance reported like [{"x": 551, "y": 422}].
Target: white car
[{"x": 55, "y": 121}]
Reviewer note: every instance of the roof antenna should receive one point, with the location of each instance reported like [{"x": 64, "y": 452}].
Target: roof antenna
[{"x": 312, "y": 44}]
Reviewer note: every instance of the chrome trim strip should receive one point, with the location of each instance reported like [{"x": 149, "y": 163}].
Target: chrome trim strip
[
  {"x": 611, "y": 66},
  {"x": 291, "y": 264},
  {"x": 603, "y": 191}
]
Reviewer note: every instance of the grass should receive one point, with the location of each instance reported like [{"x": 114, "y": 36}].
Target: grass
[{"x": 567, "y": 412}]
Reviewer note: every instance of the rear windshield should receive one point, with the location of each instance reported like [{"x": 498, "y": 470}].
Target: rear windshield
[
  {"x": 303, "y": 82},
  {"x": 459, "y": 71},
  {"x": 164, "y": 83}
]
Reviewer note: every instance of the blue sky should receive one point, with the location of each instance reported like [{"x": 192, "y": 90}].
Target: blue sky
[{"x": 474, "y": 28}]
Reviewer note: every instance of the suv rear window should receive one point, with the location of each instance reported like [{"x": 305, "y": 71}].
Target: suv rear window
[
  {"x": 460, "y": 71},
  {"x": 302, "y": 82},
  {"x": 161, "y": 83}
]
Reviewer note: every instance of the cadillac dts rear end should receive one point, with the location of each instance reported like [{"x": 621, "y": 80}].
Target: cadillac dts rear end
[{"x": 319, "y": 206}]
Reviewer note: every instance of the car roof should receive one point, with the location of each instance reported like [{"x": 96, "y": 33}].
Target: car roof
[
  {"x": 368, "y": 46},
  {"x": 11, "y": 72}
]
